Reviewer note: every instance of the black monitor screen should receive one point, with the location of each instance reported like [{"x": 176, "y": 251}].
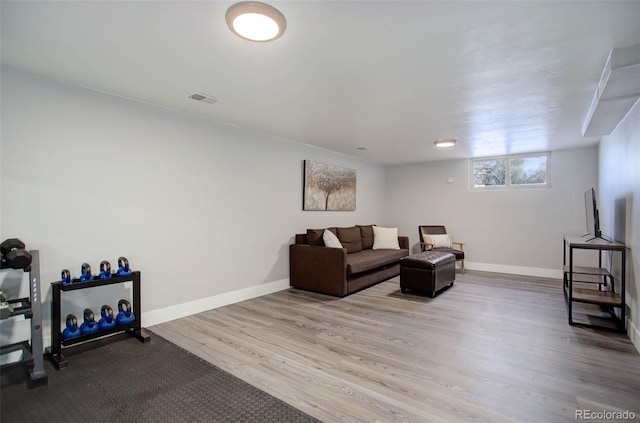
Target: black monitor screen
[{"x": 591, "y": 211}]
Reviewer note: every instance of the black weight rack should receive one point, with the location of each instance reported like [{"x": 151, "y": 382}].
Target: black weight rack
[
  {"x": 58, "y": 343},
  {"x": 31, "y": 308}
]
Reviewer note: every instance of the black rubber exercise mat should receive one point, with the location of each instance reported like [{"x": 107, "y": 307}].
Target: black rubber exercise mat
[{"x": 128, "y": 381}]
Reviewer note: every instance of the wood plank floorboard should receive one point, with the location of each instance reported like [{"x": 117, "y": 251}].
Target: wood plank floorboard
[{"x": 492, "y": 348}]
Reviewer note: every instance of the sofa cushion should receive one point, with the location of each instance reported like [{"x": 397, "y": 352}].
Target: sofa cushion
[
  {"x": 314, "y": 237},
  {"x": 385, "y": 238},
  {"x": 366, "y": 234},
  {"x": 330, "y": 240},
  {"x": 370, "y": 259},
  {"x": 438, "y": 241},
  {"x": 350, "y": 239}
]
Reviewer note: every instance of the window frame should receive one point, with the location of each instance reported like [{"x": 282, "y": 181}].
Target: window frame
[{"x": 508, "y": 185}]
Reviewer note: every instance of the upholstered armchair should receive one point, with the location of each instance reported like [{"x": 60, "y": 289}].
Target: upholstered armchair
[{"x": 436, "y": 238}]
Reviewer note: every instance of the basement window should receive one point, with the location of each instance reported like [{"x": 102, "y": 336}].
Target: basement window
[{"x": 508, "y": 172}]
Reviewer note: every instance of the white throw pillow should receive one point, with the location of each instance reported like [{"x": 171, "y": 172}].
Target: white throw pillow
[
  {"x": 330, "y": 240},
  {"x": 438, "y": 241},
  {"x": 385, "y": 238}
]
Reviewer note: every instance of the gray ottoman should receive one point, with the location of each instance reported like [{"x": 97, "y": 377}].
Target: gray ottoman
[{"x": 429, "y": 272}]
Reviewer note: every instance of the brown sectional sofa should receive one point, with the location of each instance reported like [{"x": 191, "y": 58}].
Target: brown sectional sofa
[{"x": 342, "y": 271}]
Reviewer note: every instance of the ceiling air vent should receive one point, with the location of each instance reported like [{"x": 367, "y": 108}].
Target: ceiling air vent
[{"x": 205, "y": 98}]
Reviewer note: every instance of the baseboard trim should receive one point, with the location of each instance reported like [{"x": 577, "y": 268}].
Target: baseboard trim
[
  {"x": 155, "y": 317},
  {"x": 514, "y": 270},
  {"x": 634, "y": 334}
]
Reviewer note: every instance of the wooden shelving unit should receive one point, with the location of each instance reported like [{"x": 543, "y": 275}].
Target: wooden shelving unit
[
  {"x": 605, "y": 295},
  {"x": 591, "y": 275}
]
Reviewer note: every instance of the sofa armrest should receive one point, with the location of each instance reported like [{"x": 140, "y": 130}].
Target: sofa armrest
[
  {"x": 461, "y": 244},
  {"x": 319, "y": 269},
  {"x": 403, "y": 241}
]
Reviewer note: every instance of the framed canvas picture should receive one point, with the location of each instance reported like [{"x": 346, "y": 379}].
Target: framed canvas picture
[{"x": 328, "y": 187}]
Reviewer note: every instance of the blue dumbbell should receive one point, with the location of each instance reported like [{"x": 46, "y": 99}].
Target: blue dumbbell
[
  {"x": 125, "y": 315},
  {"x": 72, "y": 330},
  {"x": 123, "y": 267},
  {"x": 90, "y": 325},
  {"x": 65, "y": 277},
  {"x": 107, "y": 321},
  {"x": 85, "y": 273},
  {"x": 105, "y": 270}
]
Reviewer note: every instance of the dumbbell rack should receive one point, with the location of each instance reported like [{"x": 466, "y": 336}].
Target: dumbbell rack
[
  {"x": 31, "y": 308},
  {"x": 58, "y": 343}
]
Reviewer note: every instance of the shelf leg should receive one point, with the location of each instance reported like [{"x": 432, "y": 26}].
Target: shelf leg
[
  {"x": 137, "y": 330},
  {"x": 570, "y": 293},
  {"x": 141, "y": 335},
  {"x": 623, "y": 306}
]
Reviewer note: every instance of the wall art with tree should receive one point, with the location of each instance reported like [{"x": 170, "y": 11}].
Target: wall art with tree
[{"x": 328, "y": 187}]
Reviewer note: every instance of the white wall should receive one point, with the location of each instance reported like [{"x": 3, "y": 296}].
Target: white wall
[
  {"x": 206, "y": 211},
  {"x": 620, "y": 205},
  {"x": 511, "y": 231}
]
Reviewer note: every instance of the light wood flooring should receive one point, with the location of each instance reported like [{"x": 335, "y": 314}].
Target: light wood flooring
[{"x": 491, "y": 348}]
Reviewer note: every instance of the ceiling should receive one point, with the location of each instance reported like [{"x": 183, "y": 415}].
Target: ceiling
[{"x": 502, "y": 77}]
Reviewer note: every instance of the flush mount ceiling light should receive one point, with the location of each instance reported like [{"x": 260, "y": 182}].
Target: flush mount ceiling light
[
  {"x": 256, "y": 21},
  {"x": 444, "y": 143}
]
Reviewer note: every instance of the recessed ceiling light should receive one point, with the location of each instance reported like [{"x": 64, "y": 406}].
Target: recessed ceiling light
[
  {"x": 256, "y": 21},
  {"x": 444, "y": 143}
]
